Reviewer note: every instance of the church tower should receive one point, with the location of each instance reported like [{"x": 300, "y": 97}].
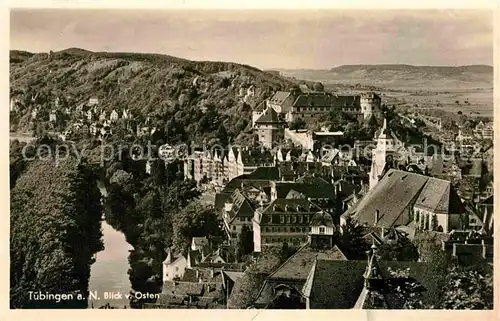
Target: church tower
[{"x": 383, "y": 153}]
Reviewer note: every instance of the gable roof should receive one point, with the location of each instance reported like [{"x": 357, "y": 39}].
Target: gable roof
[
  {"x": 326, "y": 100},
  {"x": 294, "y": 271},
  {"x": 322, "y": 219},
  {"x": 397, "y": 190},
  {"x": 313, "y": 190},
  {"x": 292, "y": 205},
  {"x": 241, "y": 206},
  {"x": 265, "y": 172},
  {"x": 298, "y": 266},
  {"x": 439, "y": 196},
  {"x": 339, "y": 284},
  {"x": 280, "y": 97},
  {"x": 391, "y": 196},
  {"x": 256, "y": 157},
  {"x": 269, "y": 116}
]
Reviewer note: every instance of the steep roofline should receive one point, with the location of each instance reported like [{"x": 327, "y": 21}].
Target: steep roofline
[{"x": 287, "y": 260}]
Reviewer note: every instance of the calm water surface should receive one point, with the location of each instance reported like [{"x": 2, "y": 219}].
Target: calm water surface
[{"x": 109, "y": 273}]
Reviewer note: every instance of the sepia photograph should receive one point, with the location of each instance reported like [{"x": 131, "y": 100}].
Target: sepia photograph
[{"x": 251, "y": 159}]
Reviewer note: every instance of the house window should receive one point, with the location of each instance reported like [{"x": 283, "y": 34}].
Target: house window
[
  {"x": 294, "y": 219},
  {"x": 282, "y": 219},
  {"x": 321, "y": 230},
  {"x": 234, "y": 228},
  {"x": 288, "y": 218},
  {"x": 301, "y": 219},
  {"x": 306, "y": 219},
  {"x": 176, "y": 268}
]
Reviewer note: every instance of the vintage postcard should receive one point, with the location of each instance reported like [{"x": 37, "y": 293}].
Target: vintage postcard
[{"x": 257, "y": 159}]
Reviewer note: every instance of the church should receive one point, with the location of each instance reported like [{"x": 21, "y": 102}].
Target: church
[{"x": 385, "y": 154}]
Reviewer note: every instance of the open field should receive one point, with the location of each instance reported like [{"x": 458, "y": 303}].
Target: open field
[{"x": 422, "y": 86}]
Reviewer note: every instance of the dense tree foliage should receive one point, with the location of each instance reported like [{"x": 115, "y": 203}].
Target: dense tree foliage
[
  {"x": 401, "y": 249},
  {"x": 297, "y": 123},
  {"x": 351, "y": 240},
  {"x": 467, "y": 288},
  {"x": 247, "y": 287},
  {"x": 55, "y": 231},
  {"x": 317, "y": 86},
  {"x": 245, "y": 242},
  {"x": 181, "y": 99},
  {"x": 194, "y": 220}
]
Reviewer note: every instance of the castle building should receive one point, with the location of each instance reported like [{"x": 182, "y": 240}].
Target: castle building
[
  {"x": 270, "y": 128},
  {"x": 369, "y": 103},
  {"x": 311, "y": 105}
]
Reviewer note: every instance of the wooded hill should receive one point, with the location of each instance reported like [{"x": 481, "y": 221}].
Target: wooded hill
[{"x": 161, "y": 86}]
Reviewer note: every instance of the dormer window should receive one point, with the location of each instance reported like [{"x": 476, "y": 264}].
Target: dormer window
[{"x": 322, "y": 230}]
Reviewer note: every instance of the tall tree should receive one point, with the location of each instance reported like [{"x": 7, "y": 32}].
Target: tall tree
[
  {"x": 351, "y": 240},
  {"x": 55, "y": 231},
  {"x": 222, "y": 135},
  {"x": 245, "y": 242},
  {"x": 195, "y": 220},
  {"x": 401, "y": 249}
]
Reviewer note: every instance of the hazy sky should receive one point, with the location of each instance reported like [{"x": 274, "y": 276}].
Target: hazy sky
[{"x": 267, "y": 39}]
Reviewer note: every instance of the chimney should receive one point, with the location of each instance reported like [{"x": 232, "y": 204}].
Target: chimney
[
  {"x": 382, "y": 233},
  {"x": 211, "y": 272},
  {"x": 377, "y": 217},
  {"x": 454, "y": 249}
]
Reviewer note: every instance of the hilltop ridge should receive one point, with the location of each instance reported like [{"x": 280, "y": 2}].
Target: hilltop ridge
[
  {"x": 402, "y": 76},
  {"x": 146, "y": 84}
]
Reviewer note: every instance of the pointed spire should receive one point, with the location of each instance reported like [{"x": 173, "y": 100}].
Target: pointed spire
[
  {"x": 372, "y": 270},
  {"x": 168, "y": 260}
]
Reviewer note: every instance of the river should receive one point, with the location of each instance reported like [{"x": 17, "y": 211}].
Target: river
[{"x": 109, "y": 274}]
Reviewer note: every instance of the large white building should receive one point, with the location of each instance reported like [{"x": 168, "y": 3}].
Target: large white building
[{"x": 411, "y": 200}]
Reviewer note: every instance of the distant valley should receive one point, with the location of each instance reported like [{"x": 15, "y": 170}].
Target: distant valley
[{"x": 426, "y": 86}]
